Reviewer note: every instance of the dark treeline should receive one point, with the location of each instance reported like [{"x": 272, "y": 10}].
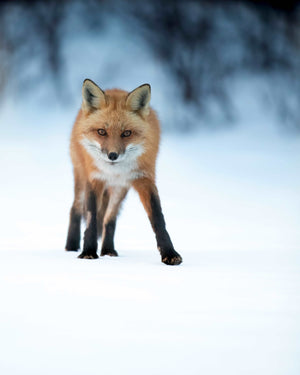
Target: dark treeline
[{"x": 203, "y": 44}]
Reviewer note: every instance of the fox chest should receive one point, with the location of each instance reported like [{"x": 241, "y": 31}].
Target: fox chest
[{"x": 121, "y": 174}]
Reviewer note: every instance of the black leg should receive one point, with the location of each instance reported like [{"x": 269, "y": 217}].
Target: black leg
[
  {"x": 101, "y": 212},
  {"x": 73, "y": 239},
  {"x": 164, "y": 244},
  {"x": 114, "y": 198},
  {"x": 108, "y": 247},
  {"x": 149, "y": 197},
  {"x": 90, "y": 243}
]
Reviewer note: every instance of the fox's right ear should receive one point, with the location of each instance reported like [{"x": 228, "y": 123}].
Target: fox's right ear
[{"x": 93, "y": 96}]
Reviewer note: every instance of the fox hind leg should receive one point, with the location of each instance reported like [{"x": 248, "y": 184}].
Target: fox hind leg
[
  {"x": 73, "y": 238},
  {"x": 102, "y": 204},
  {"x": 116, "y": 196}
]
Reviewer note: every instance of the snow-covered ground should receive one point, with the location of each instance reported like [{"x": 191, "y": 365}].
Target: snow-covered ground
[
  {"x": 231, "y": 202},
  {"x": 221, "y": 312}
]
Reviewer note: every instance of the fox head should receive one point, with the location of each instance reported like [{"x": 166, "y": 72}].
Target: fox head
[{"x": 114, "y": 123}]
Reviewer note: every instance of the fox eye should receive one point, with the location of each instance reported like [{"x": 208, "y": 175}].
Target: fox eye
[
  {"x": 126, "y": 133},
  {"x": 101, "y": 132}
]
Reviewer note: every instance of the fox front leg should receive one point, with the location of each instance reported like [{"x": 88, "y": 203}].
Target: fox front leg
[
  {"x": 90, "y": 243},
  {"x": 149, "y": 197}
]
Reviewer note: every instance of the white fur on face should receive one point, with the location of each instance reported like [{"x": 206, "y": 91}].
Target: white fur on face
[{"x": 119, "y": 172}]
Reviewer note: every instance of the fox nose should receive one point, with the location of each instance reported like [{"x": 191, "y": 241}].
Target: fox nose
[{"x": 113, "y": 156}]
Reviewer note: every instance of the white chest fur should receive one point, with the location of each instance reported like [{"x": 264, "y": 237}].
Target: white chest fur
[{"x": 118, "y": 173}]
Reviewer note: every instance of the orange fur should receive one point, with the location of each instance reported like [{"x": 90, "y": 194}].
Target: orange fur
[{"x": 118, "y": 123}]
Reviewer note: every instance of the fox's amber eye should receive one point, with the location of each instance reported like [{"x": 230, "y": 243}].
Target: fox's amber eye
[
  {"x": 101, "y": 132},
  {"x": 126, "y": 133}
]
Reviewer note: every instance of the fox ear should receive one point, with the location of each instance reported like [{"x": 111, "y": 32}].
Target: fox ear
[
  {"x": 93, "y": 96},
  {"x": 138, "y": 99}
]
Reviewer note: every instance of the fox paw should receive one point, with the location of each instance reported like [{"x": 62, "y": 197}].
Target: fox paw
[
  {"x": 172, "y": 259},
  {"x": 111, "y": 253},
  {"x": 85, "y": 255}
]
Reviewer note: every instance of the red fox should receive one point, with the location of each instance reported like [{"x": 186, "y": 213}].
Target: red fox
[{"x": 114, "y": 145}]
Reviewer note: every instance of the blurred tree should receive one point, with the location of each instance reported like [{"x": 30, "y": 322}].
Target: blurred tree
[{"x": 203, "y": 44}]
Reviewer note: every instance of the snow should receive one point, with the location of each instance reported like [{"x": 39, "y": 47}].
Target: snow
[
  {"x": 220, "y": 312},
  {"x": 230, "y": 200}
]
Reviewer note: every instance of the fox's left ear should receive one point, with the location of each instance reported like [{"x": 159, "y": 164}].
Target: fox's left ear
[{"x": 138, "y": 99}]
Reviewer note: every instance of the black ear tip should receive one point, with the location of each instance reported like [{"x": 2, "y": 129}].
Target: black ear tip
[
  {"x": 87, "y": 80},
  {"x": 145, "y": 85}
]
